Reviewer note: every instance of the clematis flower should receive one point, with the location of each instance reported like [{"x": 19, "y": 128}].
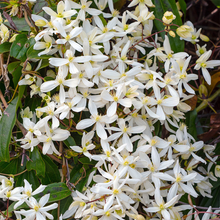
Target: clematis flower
[
  {"x": 203, "y": 64},
  {"x": 59, "y": 81},
  {"x": 37, "y": 210}
]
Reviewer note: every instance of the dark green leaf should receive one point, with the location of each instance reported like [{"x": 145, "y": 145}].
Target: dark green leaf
[
  {"x": 191, "y": 122},
  {"x": 53, "y": 174},
  {"x": 5, "y": 47},
  {"x": 11, "y": 167},
  {"x": 36, "y": 162},
  {"x": 31, "y": 177},
  {"x": 162, "y": 6},
  {"x": 214, "y": 202},
  {"x": 15, "y": 69},
  {"x": 216, "y": 2},
  {"x": 45, "y": 63},
  {"x": 70, "y": 141},
  {"x": 183, "y": 6},
  {"x": 13, "y": 65},
  {"x": 57, "y": 192},
  {"x": 21, "y": 90},
  {"x": 33, "y": 54},
  {"x": 20, "y": 47},
  {"x": 86, "y": 160},
  {"x": 7, "y": 123}
]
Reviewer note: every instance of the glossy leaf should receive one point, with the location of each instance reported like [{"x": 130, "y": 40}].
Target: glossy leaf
[
  {"x": 57, "y": 192},
  {"x": 70, "y": 141},
  {"x": 20, "y": 47},
  {"x": 53, "y": 174},
  {"x": 11, "y": 167},
  {"x": 7, "y": 123},
  {"x": 5, "y": 47},
  {"x": 36, "y": 162},
  {"x": 31, "y": 177},
  {"x": 15, "y": 69},
  {"x": 183, "y": 6}
]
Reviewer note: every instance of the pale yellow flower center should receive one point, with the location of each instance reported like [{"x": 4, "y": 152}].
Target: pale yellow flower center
[
  {"x": 153, "y": 142},
  {"x": 178, "y": 178},
  {"x": 108, "y": 213},
  {"x": 115, "y": 191},
  {"x": 108, "y": 153}
]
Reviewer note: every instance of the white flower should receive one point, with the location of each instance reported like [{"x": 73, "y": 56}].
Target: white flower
[
  {"x": 204, "y": 64},
  {"x": 97, "y": 119},
  {"x": 27, "y": 193},
  {"x": 59, "y": 81},
  {"x": 37, "y": 210},
  {"x": 160, "y": 206}
]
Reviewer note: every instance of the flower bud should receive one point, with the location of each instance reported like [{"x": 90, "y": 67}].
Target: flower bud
[
  {"x": 217, "y": 171},
  {"x": 140, "y": 217},
  {"x": 40, "y": 23},
  {"x": 12, "y": 39},
  {"x": 168, "y": 17},
  {"x": 204, "y": 38},
  {"x": 203, "y": 90},
  {"x": 172, "y": 34},
  {"x": 184, "y": 31}
]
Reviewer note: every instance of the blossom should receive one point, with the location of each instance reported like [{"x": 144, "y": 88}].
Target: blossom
[
  {"x": 59, "y": 81},
  {"x": 37, "y": 209},
  {"x": 97, "y": 119},
  {"x": 168, "y": 17},
  {"x": 204, "y": 64},
  {"x": 161, "y": 206}
]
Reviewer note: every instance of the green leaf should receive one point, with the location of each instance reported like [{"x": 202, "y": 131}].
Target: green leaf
[
  {"x": 31, "y": 177},
  {"x": 36, "y": 163},
  {"x": 5, "y": 47},
  {"x": 13, "y": 65},
  {"x": 162, "y": 6},
  {"x": 70, "y": 141},
  {"x": 86, "y": 160},
  {"x": 11, "y": 167},
  {"x": 214, "y": 202},
  {"x": 20, "y": 47},
  {"x": 57, "y": 192},
  {"x": 183, "y": 6},
  {"x": 33, "y": 54},
  {"x": 7, "y": 123},
  {"x": 45, "y": 63},
  {"x": 52, "y": 172},
  {"x": 15, "y": 69},
  {"x": 21, "y": 90},
  {"x": 20, "y": 23},
  {"x": 191, "y": 123},
  {"x": 216, "y": 2}
]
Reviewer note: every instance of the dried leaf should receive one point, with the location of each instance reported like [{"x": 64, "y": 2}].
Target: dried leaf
[
  {"x": 192, "y": 102},
  {"x": 215, "y": 80}
]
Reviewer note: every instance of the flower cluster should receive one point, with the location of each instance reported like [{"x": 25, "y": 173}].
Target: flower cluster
[
  {"x": 25, "y": 195},
  {"x": 127, "y": 80}
]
